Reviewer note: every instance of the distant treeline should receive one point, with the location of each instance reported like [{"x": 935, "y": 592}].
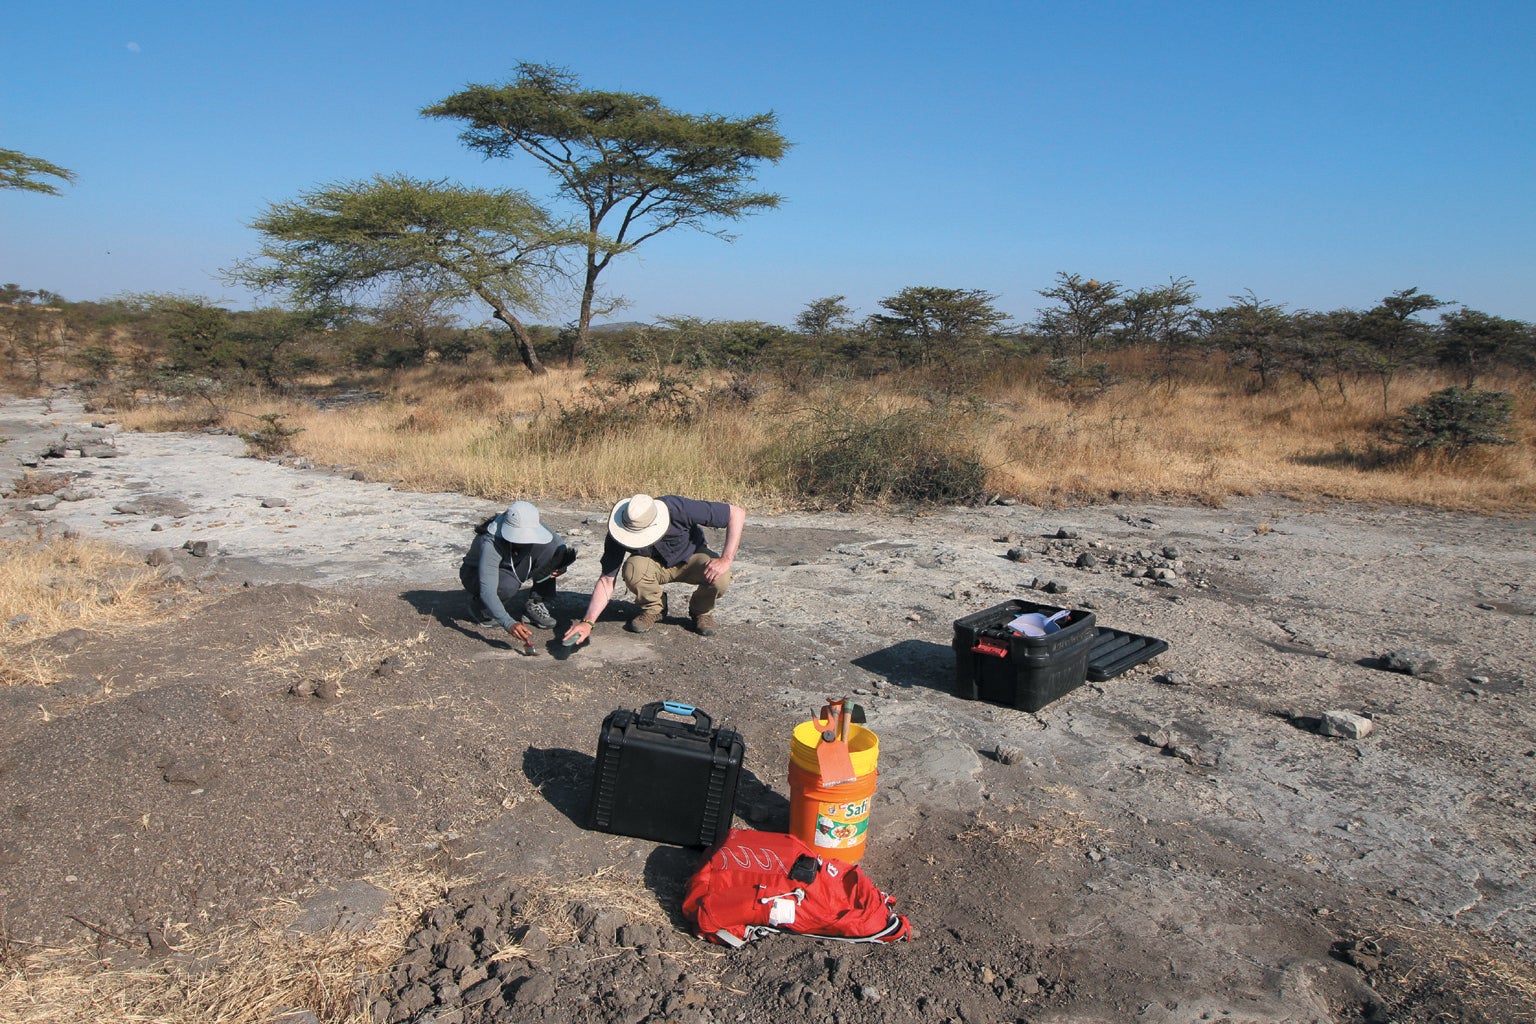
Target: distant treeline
[{"x": 166, "y": 342}]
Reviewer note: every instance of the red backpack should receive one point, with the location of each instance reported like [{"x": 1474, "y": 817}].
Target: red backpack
[{"x": 758, "y": 883}]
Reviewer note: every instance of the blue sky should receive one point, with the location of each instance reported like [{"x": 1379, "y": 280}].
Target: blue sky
[{"x": 1321, "y": 155}]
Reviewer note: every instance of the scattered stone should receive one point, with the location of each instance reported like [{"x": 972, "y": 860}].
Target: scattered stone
[
  {"x": 871, "y": 993},
  {"x": 1170, "y": 551},
  {"x": 153, "y": 506},
  {"x": 18, "y": 620},
  {"x": 159, "y": 556},
  {"x": 1346, "y": 724},
  {"x": 1409, "y": 661},
  {"x": 1479, "y": 680},
  {"x": 73, "y": 494},
  {"x": 1017, "y": 555},
  {"x": 1007, "y": 754},
  {"x": 44, "y": 503},
  {"x": 536, "y": 991},
  {"x": 1087, "y": 560},
  {"x": 914, "y": 617},
  {"x": 1067, "y": 533},
  {"x": 202, "y": 548},
  {"x": 1174, "y": 678},
  {"x": 303, "y": 688},
  {"x": 327, "y": 690},
  {"x": 274, "y": 502},
  {"x": 1485, "y": 606},
  {"x": 1053, "y": 587}
]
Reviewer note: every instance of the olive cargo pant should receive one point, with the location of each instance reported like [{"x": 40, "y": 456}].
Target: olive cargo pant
[{"x": 646, "y": 577}]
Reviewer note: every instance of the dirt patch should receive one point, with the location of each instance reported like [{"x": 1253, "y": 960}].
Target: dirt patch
[{"x": 330, "y": 713}]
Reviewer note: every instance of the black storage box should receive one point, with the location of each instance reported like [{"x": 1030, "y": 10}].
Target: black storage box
[
  {"x": 997, "y": 665},
  {"x": 665, "y": 780}
]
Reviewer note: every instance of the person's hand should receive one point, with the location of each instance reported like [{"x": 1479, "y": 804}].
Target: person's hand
[
  {"x": 579, "y": 632},
  {"x": 521, "y": 633},
  {"x": 716, "y": 568}
]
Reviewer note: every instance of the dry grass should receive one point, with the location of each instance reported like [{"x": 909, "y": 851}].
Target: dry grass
[
  {"x": 246, "y": 975},
  {"x": 1044, "y": 832},
  {"x": 49, "y": 586},
  {"x": 465, "y": 431},
  {"x": 1483, "y": 978}
]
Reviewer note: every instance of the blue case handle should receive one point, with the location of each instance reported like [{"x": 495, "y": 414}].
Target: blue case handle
[{"x": 702, "y": 723}]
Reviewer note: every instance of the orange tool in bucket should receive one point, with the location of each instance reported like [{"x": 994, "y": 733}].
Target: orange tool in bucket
[{"x": 832, "y": 819}]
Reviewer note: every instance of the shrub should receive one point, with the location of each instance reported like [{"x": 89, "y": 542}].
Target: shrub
[
  {"x": 1453, "y": 420},
  {"x": 904, "y": 457},
  {"x": 271, "y": 438}
]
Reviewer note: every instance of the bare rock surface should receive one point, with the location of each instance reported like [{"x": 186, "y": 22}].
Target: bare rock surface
[{"x": 332, "y": 712}]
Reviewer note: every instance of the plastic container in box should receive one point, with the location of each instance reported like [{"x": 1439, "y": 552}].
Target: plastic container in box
[{"x": 994, "y": 664}]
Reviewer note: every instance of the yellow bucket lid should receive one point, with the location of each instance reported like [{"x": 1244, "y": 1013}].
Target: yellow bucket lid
[{"x": 863, "y": 748}]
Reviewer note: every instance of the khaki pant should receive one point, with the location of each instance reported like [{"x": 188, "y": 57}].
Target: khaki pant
[{"x": 646, "y": 576}]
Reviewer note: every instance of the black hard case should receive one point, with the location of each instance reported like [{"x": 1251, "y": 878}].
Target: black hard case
[
  {"x": 665, "y": 780},
  {"x": 996, "y": 665}
]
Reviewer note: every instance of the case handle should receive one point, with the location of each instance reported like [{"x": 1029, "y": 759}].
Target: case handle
[{"x": 702, "y": 723}]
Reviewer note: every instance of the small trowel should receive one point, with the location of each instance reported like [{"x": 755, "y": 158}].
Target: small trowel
[{"x": 832, "y": 752}]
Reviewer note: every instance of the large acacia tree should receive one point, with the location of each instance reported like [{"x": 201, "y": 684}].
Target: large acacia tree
[
  {"x": 634, "y": 167},
  {"x": 20, "y": 171},
  {"x": 346, "y": 240}
]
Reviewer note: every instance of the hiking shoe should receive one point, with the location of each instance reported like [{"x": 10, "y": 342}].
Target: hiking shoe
[
  {"x": 704, "y": 625},
  {"x": 535, "y": 614},
  {"x": 643, "y": 622},
  {"x": 479, "y": 614}
]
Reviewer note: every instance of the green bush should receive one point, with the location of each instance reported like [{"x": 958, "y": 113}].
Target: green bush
[
  {"x": 1453, "y": 420},
  {"x": 905, "y": 458}
]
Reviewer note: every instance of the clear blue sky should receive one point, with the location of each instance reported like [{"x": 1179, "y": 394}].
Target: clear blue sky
[{"x": 1322, "y": 155}]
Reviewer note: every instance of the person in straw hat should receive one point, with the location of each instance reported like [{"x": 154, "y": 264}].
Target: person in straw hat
[
  {"x": 657, "y": 541},
  {"x": 509, "y": 550}
]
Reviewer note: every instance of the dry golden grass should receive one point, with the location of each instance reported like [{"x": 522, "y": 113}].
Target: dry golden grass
[
  {"x": 50, "y": 586},
  {"x": 246, "y": 975},
  {"x": 469, "y": 431}
]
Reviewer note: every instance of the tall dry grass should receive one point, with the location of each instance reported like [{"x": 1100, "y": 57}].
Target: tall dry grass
[
  {"x": 248, "y": 975},
  {"x": 47, "y": 586},
  {"x": 486, "y": 433}
]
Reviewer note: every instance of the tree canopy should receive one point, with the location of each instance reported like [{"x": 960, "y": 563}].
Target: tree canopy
[
  {"x": 19, "y": 171},
  {"x": 634, "y": 167},
  {"x": 344, "y": 240}
]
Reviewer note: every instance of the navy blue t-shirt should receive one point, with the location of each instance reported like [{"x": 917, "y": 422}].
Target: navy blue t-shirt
[{"x": 683, "y": 538}]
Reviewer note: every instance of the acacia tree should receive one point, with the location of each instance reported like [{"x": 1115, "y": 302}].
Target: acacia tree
[
  {"x": 346, "y": 240},
  {"x": 1166, "y": 320},
  {"x": 1254, "y": 333},
  {"x": 1392, "y": 339},
  {"x": 821, "y": 318},
  {"x": 926, "y": 320},
  {"x": 634, "y": 167},
  {"x": 19, "y": 171},
  {"x": 1471, "y": 341},
  {"x": 1084, "y": 312}
]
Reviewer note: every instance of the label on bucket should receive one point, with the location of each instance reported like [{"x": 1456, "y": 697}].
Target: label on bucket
[{"x": 842, "y": 825}]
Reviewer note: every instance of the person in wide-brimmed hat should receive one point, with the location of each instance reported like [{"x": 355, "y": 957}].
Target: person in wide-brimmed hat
[
  {"x": 509, "y": 550},
  {"x": 656, "y": 541}
]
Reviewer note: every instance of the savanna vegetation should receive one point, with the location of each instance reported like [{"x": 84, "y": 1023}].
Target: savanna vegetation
[{"x": 936, "y": 397}]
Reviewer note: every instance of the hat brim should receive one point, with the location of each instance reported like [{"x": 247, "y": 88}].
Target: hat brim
[
  {"x": 527, "y": 535},
  {"x": 638, "y": 538}
]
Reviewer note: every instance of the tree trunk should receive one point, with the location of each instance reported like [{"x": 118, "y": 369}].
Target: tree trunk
[{"x": 524, "y": 342}]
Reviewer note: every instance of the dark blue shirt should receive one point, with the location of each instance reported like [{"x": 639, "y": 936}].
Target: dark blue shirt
[{"x": 684, "y": 536}]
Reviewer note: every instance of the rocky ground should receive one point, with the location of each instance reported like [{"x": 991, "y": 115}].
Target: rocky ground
[{"x": 1179, "y": 843}]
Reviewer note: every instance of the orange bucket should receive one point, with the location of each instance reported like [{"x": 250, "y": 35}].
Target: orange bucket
[{"x": 833, "y": 819}]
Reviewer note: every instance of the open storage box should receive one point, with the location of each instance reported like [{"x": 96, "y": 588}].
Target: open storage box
[{"x": 997, "y": 665}]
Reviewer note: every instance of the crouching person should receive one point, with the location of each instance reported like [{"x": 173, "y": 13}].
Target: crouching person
[
  {"x": 657, "y": 541},
  {"x": 509, "y": 550}
]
